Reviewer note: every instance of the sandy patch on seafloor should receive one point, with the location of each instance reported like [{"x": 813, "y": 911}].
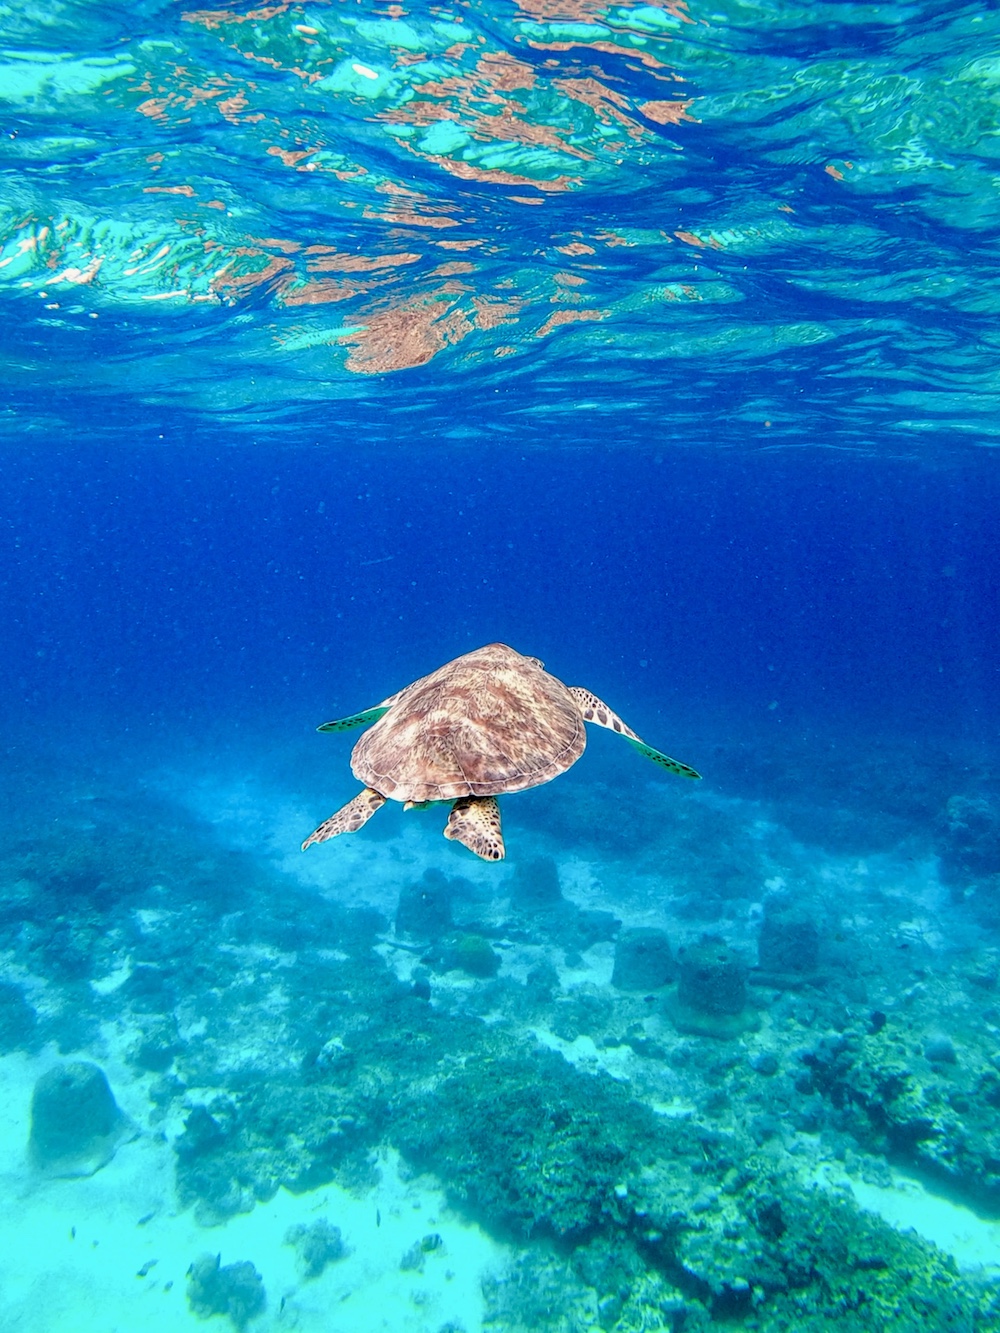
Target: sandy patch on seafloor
[
  {"x": 366, "y": 870},
  {"x": 72, "y": 1252},
  {"x": 908, "y": 1205}
]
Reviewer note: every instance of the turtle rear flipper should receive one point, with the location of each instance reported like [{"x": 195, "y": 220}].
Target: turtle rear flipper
[
  {"x": 596, "y": 711},
  {"x": 475, "y": 823},
  {"x": 349, "y": 818}
]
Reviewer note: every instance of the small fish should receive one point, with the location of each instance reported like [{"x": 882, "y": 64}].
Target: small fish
[
  {"x": 378, "y": 1218},
  {"x": 379, "y": 561},
  {"x": 144, "y": 1270}
]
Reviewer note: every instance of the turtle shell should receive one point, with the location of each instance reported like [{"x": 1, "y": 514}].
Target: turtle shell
[{"x": 491, "y": 721}]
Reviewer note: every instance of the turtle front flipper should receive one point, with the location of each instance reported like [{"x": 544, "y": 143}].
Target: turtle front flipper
[
  {"x": 664, "y": 760},
  {"x": 475, "y": 823},
  {"x": 363, "y": 719},
  {"x": 595, "y": 710},
  {"x": 356, "y": 719},
  {"x": 349, "y": 818}
]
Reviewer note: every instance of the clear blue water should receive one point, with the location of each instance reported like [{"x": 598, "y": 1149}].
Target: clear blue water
[{"x": 658, "y": 341}]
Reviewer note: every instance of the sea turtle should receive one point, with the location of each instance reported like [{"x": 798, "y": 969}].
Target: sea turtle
[{"x": 488, "y": 723}]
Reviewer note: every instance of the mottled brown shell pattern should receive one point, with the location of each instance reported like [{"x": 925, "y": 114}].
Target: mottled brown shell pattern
[{"x": 490, "y": 722}]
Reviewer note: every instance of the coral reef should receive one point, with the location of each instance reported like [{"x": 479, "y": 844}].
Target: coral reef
[
  {"x": 531, "y": 1147},
  {"x": 791, "y": 1260},
  {"x": 473, "y": 955},
  {"x": 236, "y": 1290},
  {"x": 675, "y": 1195},
  {"x": 538, "y": 1293},
  {"x": 889, "y": 1094},
  {"x": 415, "y": 1258},
  {"x": 316, "y": 1245},
  {"x": 969, "y": 838},
  {"x": 239, "y": 1149}
]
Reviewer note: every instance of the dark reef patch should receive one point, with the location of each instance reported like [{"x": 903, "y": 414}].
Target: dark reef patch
[
  {"x": 240, "y": 1149},
  {"x": 938, "y": 1116},
  {"x": 531, "y": 1147},
  {"x": 236, "y": 1290}
]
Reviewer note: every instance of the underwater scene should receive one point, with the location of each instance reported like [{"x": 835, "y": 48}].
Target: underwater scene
[{"x": 499, "y": 660}]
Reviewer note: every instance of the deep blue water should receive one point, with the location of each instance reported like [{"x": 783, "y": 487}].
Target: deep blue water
[{"x": 778, "y": 590}]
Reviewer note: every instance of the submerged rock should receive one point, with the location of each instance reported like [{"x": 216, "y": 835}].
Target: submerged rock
[
  {"x": 150, "y": 990},
  {"x": 712, "y": 977},
  {"x": 542, "y": 982},
  {"x": 76, "y": 1124},
  {"x": 236, "y": 1290},
  {"x": 535, "y": 883},
  {"x": 413, "y": 1260},
  {"x": 316, "y": 1245},
  {"x": 940, "y": 1051},
  {"x": 764, "y": 1062},
  {"x": 642, "y": 959},
  {"x": 711, "y": 998}
]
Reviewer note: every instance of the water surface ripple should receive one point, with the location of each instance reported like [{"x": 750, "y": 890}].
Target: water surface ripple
[{"x": 728, "y": 223}]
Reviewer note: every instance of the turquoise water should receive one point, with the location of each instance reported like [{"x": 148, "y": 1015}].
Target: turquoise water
[{"x": 658, "y": 342}]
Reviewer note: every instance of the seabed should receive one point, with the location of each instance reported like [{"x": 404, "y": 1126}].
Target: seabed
[{"x": 504, "y": 1137}]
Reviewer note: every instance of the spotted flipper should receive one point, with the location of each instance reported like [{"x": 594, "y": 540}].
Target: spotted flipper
[
  {"x": 356, "y": 719},
  {"x": 664, "y": 760},
  {"x": 596, "y": 711},
  {"x": 475, "y": 823},
  {"x": 349, "y": 817}
]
